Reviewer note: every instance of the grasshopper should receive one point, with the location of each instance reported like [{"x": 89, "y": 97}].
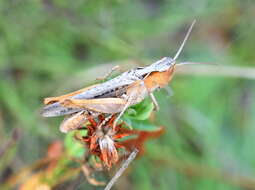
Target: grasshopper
[{"x": 115, "y": 95}]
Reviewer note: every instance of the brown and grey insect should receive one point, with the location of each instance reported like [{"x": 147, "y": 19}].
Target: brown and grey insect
[{"x": 115, "y": 95}]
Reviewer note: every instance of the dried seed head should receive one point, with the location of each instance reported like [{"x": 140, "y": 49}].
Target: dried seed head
[
  {"x": 102, "y": 139},
  {"x": 108, "y": 150}
]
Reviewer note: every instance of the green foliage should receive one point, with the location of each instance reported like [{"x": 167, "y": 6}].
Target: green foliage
[
  {"x": 137, "y": 116},
  {"x": 140, "y": 111},
  {"x": 72, "y": 146}
]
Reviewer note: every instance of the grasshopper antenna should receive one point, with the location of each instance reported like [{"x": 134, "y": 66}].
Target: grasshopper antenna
[
  {"x": 184, "y": 41},
  {"x": 195, "y": 63}
]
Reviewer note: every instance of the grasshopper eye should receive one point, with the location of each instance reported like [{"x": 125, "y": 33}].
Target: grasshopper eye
[{"x": 164, "y": 64}]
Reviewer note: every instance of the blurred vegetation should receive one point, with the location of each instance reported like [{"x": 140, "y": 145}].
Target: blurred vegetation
[{"x": 49, "y": 47}]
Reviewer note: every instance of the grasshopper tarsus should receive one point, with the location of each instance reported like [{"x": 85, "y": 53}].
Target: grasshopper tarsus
[{"x": 117, "y": 67}]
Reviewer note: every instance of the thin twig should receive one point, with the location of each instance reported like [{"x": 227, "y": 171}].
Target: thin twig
[{"x": 122, "y": 169}]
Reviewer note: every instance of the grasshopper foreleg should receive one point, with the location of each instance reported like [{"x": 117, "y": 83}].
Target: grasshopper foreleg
[{"x": 154, "y": 101}]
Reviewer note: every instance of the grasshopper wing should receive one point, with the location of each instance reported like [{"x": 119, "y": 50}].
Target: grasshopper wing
[
  {"x": 56, "y": 109},
  {"x": 101, "y": 105},
  {"x": 51, "y": 100},
  {"x": 53, "y": 107}
]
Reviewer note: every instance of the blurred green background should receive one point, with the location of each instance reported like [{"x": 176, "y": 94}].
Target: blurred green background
[{"x": 50, "y": 47}]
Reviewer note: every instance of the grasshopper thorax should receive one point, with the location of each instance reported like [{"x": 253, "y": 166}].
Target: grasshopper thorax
[{"x": 164, "y": 64}]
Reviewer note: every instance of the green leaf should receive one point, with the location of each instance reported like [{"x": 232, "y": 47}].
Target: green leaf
[
  {"x": 141, "y": 111},
  {"x": 73, "y": 147},
  {"x": 144, "y": 125}
]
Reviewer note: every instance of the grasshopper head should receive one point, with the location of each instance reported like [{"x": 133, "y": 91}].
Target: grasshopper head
[{"x": 164, "y": 64}]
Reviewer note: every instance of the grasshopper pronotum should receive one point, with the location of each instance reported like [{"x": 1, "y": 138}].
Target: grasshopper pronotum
[{"x": 115, "y": 95}]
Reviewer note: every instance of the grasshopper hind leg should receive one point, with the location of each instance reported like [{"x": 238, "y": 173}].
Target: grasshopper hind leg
[{"x": 74, "y": 121}]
